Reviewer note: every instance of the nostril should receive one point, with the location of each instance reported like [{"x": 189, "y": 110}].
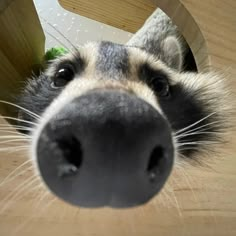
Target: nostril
[
  {"x": 72, "y": 156},
  {"x": 155, "y": 163}
]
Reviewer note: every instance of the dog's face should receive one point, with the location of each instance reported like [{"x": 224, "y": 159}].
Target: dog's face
[{"x": 114, "y": 120}]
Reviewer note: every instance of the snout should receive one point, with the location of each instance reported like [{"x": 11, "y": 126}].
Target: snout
[{"x": 106, "y": 148}]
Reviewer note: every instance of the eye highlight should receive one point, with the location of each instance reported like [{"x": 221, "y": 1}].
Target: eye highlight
[
  {"x": 157, "y": 80},
  {"x": 63, "y": 76},
  {"x": 160, "y": 85}
]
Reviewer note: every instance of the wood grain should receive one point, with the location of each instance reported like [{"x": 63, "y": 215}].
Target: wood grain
[
  {"x": 208, "y": 26},
  {"x": 128, "y": 15},
  {"x": 210, "y": 29},
  {"x": 196, "y": 200},
  {"x": 21, "y": 46}
]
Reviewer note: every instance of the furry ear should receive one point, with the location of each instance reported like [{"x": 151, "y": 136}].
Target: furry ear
[{"x": 172, "y": 53}]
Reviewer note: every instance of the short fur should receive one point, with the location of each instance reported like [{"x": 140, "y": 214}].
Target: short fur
[{"x": 198, "y": 103}]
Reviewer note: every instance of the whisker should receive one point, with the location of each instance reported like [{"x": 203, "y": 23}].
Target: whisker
[
  {"x": 196, "y": 133},
  {"x": 38, "y": 188},
  {"x": 15, "y": 127},
  {"x": 20, "y": 149},
  {"x": 28, "y": 134},
  {"x": 11, "y": 149},
  {"x": 32, "y": 217},
  {"x": 8, "y": 177},
  {"x": 188, "y": 148},
  {"x": 166, "y": 192},
  {"x": 183, "y": 156},
  {"x": 12, "y": 126},
  {"x": 11, "y": 141},
  {"x": 195, "y": 123},
  {"x": 59, "y": 32},
  {"x": 17, "y": 119},
  {"x": 27, "y": 191},
  {"x": 159, "y": 201},
  {"x": 14, "y": 132},
  {"x": 18, "y": 190},
  {"x": 40, "y": 200},
  {"x": 196, "y": 143},
  {"x": 167, "y": 197},
  {"x": 11, "y": 137},
  {"x": 184, "y": 174},
  {"x": 200, "y": 127},
  {"x": 49, "y": 204},
  {"x": 22, "y": 108},
  {"x": 59, "y": 41},
  {"x": 176, "y": 201},
  {"x": 15, "y": 144},
  {"x": 14, "y": 136}
]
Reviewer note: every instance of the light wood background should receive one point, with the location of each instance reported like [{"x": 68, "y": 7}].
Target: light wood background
[
  {"x": 21, "y": 47},
  {"x": 196, "y": 200}
]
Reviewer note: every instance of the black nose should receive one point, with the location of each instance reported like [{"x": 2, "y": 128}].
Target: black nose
[{"x": 106, "y": 148}]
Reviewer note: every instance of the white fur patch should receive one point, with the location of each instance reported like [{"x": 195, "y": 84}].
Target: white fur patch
[{"x": 209, "y": 88}]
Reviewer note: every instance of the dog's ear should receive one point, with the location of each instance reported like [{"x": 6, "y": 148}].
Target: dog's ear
[{"x": 172, "y": 53}]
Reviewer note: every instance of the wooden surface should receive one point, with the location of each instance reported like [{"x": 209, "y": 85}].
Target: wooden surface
[
  {"x": 209, "y": 26},
  {"x": 128, "y": 15},
  {"x": 210, "y": 29},
  {"x": 196, "y": 200},
  {"x": 21, "y": 46}
]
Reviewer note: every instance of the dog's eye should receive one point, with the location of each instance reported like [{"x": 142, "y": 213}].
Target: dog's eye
[
  {"x": 63, "y": 75},
  {"x": 160, "y": 85}
]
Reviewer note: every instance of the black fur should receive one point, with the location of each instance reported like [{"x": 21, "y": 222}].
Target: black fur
[
  {"x": 182, "y": 108},
  {"x": 39, "y": 92},
  {"x": 37, "y": 96},
  {"x": 77, "y": 63}
]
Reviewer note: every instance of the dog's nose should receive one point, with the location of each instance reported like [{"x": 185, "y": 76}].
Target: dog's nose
[{"x": 106, "y": 148}]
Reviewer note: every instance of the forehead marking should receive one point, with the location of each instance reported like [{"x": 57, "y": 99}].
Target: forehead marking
[{"x": 112, "y": 60}]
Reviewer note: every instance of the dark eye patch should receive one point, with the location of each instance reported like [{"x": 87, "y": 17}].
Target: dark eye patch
[
  {"x": 182, "y": 108},
  {"x": 157, "y": 80},
  {"x": 36, "y": 97},
  {"x": 39, "y": 92},
  {"x": 160, "y": 85},
  {"x": 75, "y": 64}
]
